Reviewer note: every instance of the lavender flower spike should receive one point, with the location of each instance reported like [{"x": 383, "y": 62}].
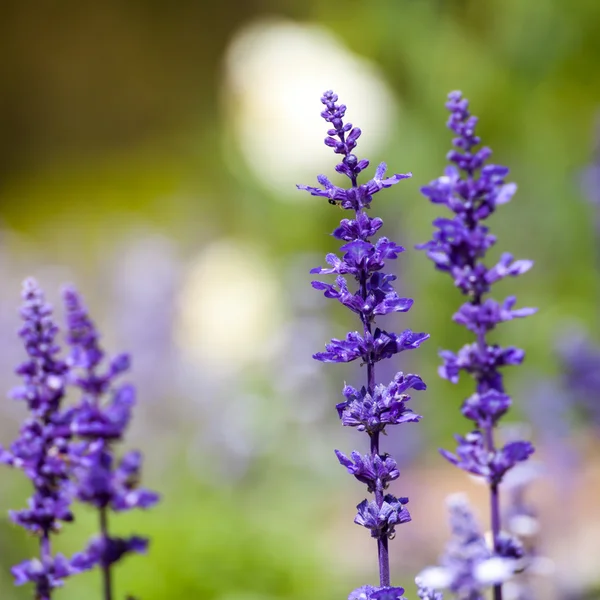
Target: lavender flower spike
[
  {"x": 99, "y": 420},
  {"x": 374, "y": 406},
  {"x": 472, "y": 190},
  {"x": 42, "y": 451}
]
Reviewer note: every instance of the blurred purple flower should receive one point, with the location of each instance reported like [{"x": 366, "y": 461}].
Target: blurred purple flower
[
  {"x": 427, "y": 593},
  {"x": 107, "y": 551},
  {"x": 98, "y": 420},
  {"x": 474, "y": 457},
  {"x": 472, "y": 190},
  {"x": 46, "y": 575},
  {"x": 42, "y": 451}
]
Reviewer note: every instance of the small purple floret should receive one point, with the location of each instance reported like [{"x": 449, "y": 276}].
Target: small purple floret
[{"x": 382, "y": 519}]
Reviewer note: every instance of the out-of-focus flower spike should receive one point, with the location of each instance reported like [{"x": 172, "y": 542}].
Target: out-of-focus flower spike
[{"x": 472, "y": 190}]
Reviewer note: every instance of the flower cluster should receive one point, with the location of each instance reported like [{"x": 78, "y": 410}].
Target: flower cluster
[
  {"x": 371, "y": 293},
  {"x": 66, "y": 450},
  {"x": 472, "y": 190}
]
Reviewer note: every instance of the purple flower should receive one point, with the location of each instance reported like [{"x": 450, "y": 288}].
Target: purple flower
[
  {"x": 371, "y": 412},
  {"x": 66, "y": 452},
  {"x": 362, "y": 593},
  {"x": 381, "y": 296},
  {"x": 472, "y": 190},
  {"x": 372, "y": 347},
  {"x": 109, "y": 421},
  {"x": 43, "y": 372},
  {"x": 382, "y": 519},
  {"x": 85, "y": 355},
  {"x": 482, "y": 363},
  {"x": 370, "y": 470},
  {"x": 45, "y": 575},
  {"x": 489, "y": 313},
  {"x": 388, "y": 593},
  {"x": 98, "y": 421},
  {"x": 474, "y": 457},
  {"x": 42, "y": 451},
  {"x": 362, "y": 285},
  {"x": 486, "y": 408},
  {"x": 103, "y": 484},
  {"x": 368, "y": 592},
  {"x": 107, "y": 551}
]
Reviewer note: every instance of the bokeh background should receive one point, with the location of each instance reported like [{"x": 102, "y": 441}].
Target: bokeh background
[{"x": 149, "y": 154}]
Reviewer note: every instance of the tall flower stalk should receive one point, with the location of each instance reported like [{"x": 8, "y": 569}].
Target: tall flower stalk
[
  {"x": 374, "y": 406},
  {"x": 472, "y": 190},
  {"x": 98, "y": 421},
  {"x": 42, "y": 450}
]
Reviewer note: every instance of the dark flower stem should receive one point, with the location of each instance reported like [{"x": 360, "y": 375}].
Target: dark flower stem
[
  {"x": 106, "y": 574},
  {"x": 494, "y": 506},
  {"x": 382, "y": 541},
  {"x": 46, "y": 556},
  {"x": 489, "y": 439}
]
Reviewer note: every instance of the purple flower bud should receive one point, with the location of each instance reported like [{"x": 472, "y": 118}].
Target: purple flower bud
[
  {"x": 374, "y": 471},
  {"x": 382, "y": 519}
]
